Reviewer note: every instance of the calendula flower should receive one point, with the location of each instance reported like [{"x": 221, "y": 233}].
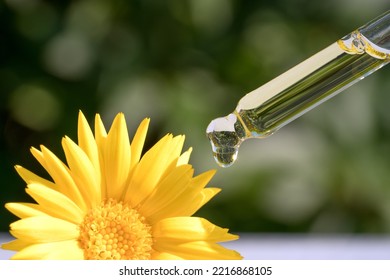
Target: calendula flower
[{"x": 108, "y": 202}]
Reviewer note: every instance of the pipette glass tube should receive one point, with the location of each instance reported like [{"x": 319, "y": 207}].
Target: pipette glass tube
[{"x": 266, "y": 109}]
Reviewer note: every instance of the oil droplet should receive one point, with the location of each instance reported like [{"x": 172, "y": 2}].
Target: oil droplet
[
  {"x": 226, "y": 135},
  {"x": 225, "y": 157}
]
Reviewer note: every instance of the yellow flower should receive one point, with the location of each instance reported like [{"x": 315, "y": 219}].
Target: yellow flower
[{"x": 108, "y": 202}]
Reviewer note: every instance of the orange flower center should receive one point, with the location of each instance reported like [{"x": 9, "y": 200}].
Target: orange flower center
[{"x": 114, "y": 231}]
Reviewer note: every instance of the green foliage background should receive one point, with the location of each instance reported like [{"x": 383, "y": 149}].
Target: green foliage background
[{"x": 184, "y": 63}]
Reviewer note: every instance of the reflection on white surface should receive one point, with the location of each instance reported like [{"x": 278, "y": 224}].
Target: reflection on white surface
[{"x": 296, "y": 247}]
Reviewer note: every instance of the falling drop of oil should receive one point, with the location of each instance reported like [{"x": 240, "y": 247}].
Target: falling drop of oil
[
  {"x": 224, "y": 140},
  {"x": 225, "y": 135}
]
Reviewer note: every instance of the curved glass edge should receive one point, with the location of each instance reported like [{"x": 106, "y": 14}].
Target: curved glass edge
[{"x": 373, "y": 38}]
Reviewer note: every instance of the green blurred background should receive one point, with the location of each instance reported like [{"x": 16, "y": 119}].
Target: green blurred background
[{"x": 184, "y": 63}]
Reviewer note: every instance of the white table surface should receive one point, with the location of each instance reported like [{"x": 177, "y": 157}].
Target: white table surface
[{"x": 297, "y": 247}]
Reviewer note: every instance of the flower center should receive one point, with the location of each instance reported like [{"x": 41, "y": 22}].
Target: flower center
[{"x": 114, "y": 231}]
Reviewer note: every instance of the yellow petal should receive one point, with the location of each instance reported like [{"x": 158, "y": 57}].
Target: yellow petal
[
  {"x": 41, "y": 229},
  {"x": 200, "y": 181},
  {"x": 176, "y": 147},
  {"x": 167, "y": 190},
  {"x": 25, "y": 210},
  {"x": 30, "y": 177},
  {"x": 164, "y": 256},
  {"x": 197, "y": 250},
  {"x": 185, "y": 157},
  {"x": 175, "y": 160},
  {"x": 185, "y": 229},
  {"x": 55, "y": 203},
  {"x": 137, "y": 144},
  {"x": 201, "y": 199},
  {"x": 83, "y": 172},
  {"x": 100, "y": 131},
  {"x": 184, "y": 205},
  {"x": 15, "y": 245},
  {"x": 173, "y": 151},
  {"x": 61, "y": 176},
  {"x": 190, "y": 200},
  {"x": 117, "y": 158},
  {"x": 196, "y": 195},
  {"x": 87, "y": 143},
  {"x": 100, "y": 138},
  {"x": 149, "y": 171},
  {"x": 63, "y": 250},
  {"x": 39, "y": 157}
]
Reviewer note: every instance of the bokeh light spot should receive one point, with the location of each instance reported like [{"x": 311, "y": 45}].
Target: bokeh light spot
[
  {"x": 34, "y": 107},
  {"x": 68, "y": 56}
]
